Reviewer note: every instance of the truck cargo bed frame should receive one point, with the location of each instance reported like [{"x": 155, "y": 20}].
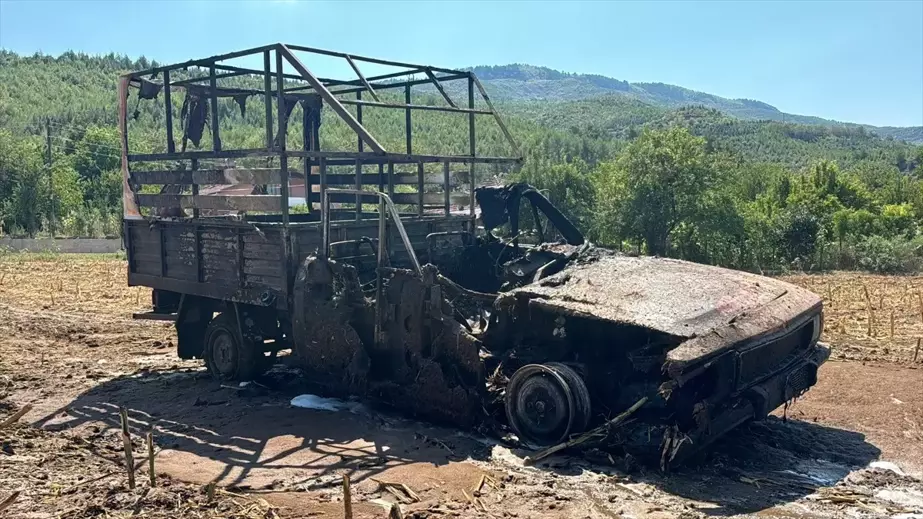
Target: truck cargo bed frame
[{"x": 223, "y": 230}]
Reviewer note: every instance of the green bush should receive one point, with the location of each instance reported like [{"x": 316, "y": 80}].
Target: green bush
[{"x": 889, "y": 256}]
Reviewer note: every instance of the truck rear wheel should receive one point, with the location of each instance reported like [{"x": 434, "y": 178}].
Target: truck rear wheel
[{"x": 228, "y": 356}]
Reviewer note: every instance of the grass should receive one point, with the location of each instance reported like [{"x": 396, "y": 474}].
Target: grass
[{"x": 11, "y": 256}]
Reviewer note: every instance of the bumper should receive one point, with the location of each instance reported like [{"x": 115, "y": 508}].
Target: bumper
[
  {"x": 759, "y": 400},
  {"x": 789, "y": 383}
]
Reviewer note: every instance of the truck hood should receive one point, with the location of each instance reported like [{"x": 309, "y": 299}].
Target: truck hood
[{"x": 707, "y": 308}]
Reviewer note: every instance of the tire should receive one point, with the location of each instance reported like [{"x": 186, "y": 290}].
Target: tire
[
  {"x": 190, "y": 339},
  {"x": 546, "y": 403},
  {"x": 582, "y": 407},
  {"x": 228, "y": 356},
  {"x": 192, "y": 319}
]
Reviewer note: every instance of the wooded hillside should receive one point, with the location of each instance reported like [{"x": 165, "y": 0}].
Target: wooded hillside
[{"x": 688, "y": 181}]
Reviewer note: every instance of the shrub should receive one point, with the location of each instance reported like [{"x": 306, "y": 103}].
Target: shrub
[{"x": 889, "y": 256}]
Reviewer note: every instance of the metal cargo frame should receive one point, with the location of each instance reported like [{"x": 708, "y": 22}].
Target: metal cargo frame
[{"x": 181, "y": 176}]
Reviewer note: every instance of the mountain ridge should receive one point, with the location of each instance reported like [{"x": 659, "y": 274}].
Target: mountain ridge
[{"x": 523, "y": 82}]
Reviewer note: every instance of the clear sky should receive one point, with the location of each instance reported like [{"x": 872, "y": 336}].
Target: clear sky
[{"x": 850, "y": 61}]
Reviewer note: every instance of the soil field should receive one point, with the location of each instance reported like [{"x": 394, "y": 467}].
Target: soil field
[
  {"x": 869, "y": 317},
  {"x": 69, "y": 348}
]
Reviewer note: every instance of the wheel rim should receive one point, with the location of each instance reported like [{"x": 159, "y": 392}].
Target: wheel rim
[
  {"x": 224, "y": 353},
  {"x": 540, "y": 405}
]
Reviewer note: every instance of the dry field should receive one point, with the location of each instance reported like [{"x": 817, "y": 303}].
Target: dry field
[
  {"x": 870, "y": 317},
  {"x": 69, "y": 348}
]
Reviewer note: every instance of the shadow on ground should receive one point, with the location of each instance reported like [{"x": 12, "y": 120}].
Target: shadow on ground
[
  {"x": 768, "y": 463},
  {"x": 754, "y": 467},
  {"x": 251, "y": 438}
]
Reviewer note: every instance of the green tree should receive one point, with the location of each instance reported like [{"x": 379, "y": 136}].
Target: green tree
[
  {"x": 657, "y": 184},
  {"x": 798, "y": 234},
  {"x": 23, "y": 183}
]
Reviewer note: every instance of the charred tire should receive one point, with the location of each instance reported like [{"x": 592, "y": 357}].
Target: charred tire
[
  {"x": 193, "y": 316},
  {"x": 190, "y": 339},
  {"x": 228, "y": 356},
  {"x": 546, "y": 403},
  {"x": 581, "y": 395}
]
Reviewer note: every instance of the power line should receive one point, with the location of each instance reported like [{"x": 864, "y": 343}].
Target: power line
[
  {"x": 96, "y": 148},
  {"x": 87, "y": 143},
  {"x": 71, "y": 127}
]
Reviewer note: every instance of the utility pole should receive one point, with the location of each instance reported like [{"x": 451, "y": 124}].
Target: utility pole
[{"x": 51, "y": 220}]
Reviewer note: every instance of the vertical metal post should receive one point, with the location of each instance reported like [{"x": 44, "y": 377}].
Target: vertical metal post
[
  {"x": 307, "y": 145},
  {"x": 407, "y": 120},
  {"x": 471, "y": 149},
  {"x": 267, "y": 88},
  {"x": 213, "y": 83},
  {"x": 358, "y": 188},
  {"x": 168, "y": 111},
  {"x": 445, "y": 183},
  {"x": 381, "y": 176},
  {"x": 195, "y": 189},
  {"x": 420, "y": 174},
  {"x": 283, "y": 132},
  {"x": 382, "y": 247},
  {"x": 325, "y": 216},
  {"x": 322, "y": 167},
  {"x": 391, "y": 179},
  {"x": 471, "y": 145},
  {"x": 359, "y": 119}
]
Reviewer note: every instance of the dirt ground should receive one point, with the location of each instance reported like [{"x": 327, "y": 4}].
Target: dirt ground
[{"x": 69, "y": 348}]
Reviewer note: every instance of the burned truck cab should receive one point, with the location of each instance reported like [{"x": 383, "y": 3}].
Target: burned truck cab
[{"x": 584, "y": 333}]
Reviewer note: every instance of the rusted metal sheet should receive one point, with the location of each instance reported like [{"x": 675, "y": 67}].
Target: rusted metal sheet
[
  {"x": 677, "y": 297},
  {"x": 708, "y": 308}
]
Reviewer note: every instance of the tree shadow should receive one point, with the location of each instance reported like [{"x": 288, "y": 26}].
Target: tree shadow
[{"x": 250, "y": 436}]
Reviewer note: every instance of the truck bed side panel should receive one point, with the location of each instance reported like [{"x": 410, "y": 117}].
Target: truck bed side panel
[
  {"x": 234, "y": 262},
  {"x": 247, "y": 263}
]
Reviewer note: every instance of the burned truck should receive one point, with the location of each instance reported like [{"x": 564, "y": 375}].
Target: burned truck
[{"x": 393, "y": 276}]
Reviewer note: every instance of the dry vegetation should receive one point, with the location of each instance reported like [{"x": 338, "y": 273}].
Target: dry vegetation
[
  {"x": 97, "y": 285},
  {"x": 94, "y": 284},
  {"x": 69, "y": 476},
  {"x": 870, "y": 317}
]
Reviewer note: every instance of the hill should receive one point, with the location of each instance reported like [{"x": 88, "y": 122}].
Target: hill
[
  {"x": 789, "y": 144},
  {"x": 554, "y": 114},
  {"x": 518, "y": 82}
]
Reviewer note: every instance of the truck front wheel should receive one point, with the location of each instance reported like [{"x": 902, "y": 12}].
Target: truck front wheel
[{"x": 228, "y": 356}]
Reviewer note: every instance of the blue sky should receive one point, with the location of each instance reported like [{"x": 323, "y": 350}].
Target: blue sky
[{"x": 849, "y": 61}]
